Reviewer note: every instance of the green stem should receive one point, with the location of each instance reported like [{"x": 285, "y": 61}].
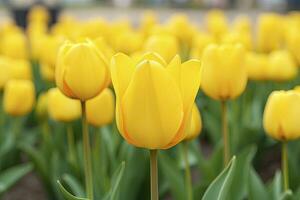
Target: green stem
[
  {"x": 71, "y": 144},
  {"x": 153, "y": 174},
  {"x": 87, "y": 155},
  {"x": 188, "y": 178},
  {"x": 285, "y": 168},
  {"x": 225, "y": 132}
]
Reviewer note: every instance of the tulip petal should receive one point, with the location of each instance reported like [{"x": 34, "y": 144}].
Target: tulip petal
[
  {"x": 188, "y": 77},
  {"x": 155, "y": 57},
  {"x": 122, "y": 68},
  {"x": 152, "y": 107}
]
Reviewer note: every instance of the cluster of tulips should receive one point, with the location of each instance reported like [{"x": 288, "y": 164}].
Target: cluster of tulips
[{"x": 146, "y": 78}]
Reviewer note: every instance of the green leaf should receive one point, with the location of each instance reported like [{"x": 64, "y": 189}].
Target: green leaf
[
  {"x": 116, "y": 179},
  {"x": 67, "y": 195},
  {"x": 219, "y": 188},
  {"x": 239, "y": 189},
  {"x": 74, "y": 184},
  {"x": 10, "y": 176},
  {"x": 256, "y": 188},
  {"x": 173, "y": 175},
  {"x": 276, "y": 186}
]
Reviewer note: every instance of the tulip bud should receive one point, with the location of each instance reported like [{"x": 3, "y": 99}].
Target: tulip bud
[
  {"x": 82, "y": 71},
  {"x": 38, "y": 14},
  {"x": 19, "y": 97},
  {"x": 14, "y": 45},
  {"x": 148, "y": 20},
  {"x": 165, "y": 45},
  {"x": 41, "y": 106},
  {"x": 154, "y": 101},
  {"x": 282, "y": 66},
  {"x": 235, "y": 37},
  {"x": 128, "y": 42},
  {"x": 281, "y": 115},
  {"x": 100, "y": 110},
  {"x": 269, "y": 35},
  {"x": 4, "y": 71},
  {"x": 224, "y": 73},
  {"x": 62, "y": 108},
  {"x": 216, "y": 23},
  {"x": 257, "y": 66},
  {"x": 242, "y": 24},
  {"x": 196, "y": 124}
]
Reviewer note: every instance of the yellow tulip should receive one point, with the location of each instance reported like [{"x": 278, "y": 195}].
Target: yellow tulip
[
  {"x": 165, "y": 45},
  {"x": 281, "y": 115},
  {"x": 200, "y": 42},
  {"x": 234, "y": 37},
  {"x": 128, "y": 42},
  {"x": 282, "y": 66},
  {"x": 20, "y": 69},
  {"x": 62, "y": 108},
  {"x": 47, "y": 72},
  {"x": 180, "y": 22},
  {"x": 196, "y": 124},
  {"x": 36, "y": 33},
  {"x": 101, "y": 109},
  {"x": 38, "y": 14},
  {"x": 216, "y": 23},
  {"x": 42, "y": 106},
  {"x": 224, "y": 73},
  {"x": 269, "y": 32},
  {"x": 82, "y": 71},
  {"x": 257, "y": 66},
  {"x": 95, "y": 28},
  {"x": 242, "y": 24},
  {"x": 154, "y": 101},
  {"x": 148, "y": 21},
  {"x": 19, "y": 97},
  {"x": 4, "y": 71},
  {"x": 14, "y": 45}
]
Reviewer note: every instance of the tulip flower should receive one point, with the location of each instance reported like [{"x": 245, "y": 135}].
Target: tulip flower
[
  {"x": 281, "y": 122},
  {"x": 82, "y": 71},
  {"x": 282, "y": 66},
  {"x": 19, "y": 97},
  {"x": 38, "y": 14},
  {"x": 293, "y": 41},
  {"x": 148, "y": 21},
  {"x": 257, "y": 66},
  {"x": 224, "y": 77},
  {"x": 95, "y": 28},
  {"x": 154, "y": 102},
  {"x": 165, "y": 45},
  {"x": 62, "y": 108},
  {"x": 100, "y": 110},
  {"x": 15, "y": 45},
  {"x": 269, "y": 32},
  {"x": 216, "y": 23},
  {"x": 134, "y": 42},
  {"x": 180, "y": 22},
  {"x": 234, "y": 37},
  {"x": 242, "y": 24},
  {"x": 224, "y": 74}
]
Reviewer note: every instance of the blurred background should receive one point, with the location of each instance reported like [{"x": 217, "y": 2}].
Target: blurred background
[{"x": 132, "y": 8}]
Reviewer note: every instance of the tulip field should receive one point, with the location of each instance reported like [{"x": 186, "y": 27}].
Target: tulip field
[{"x": 173, "y": 109}]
